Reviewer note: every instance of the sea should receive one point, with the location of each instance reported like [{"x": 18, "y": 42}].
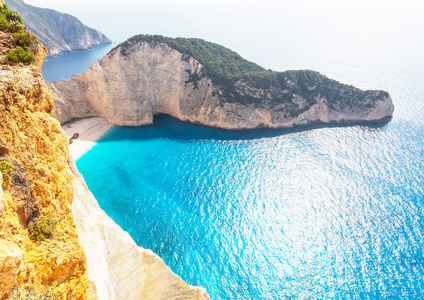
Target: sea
[{"x": 317, "y": 212}]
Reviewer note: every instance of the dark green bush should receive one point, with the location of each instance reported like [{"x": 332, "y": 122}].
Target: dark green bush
[
  {"x": 20, "y": 55},
  {"x": 6, "y": 170},
  {"x": 41, "y": 228}
]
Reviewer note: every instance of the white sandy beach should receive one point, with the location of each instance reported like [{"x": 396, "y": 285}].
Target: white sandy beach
[{"x": 89, "y": 129}]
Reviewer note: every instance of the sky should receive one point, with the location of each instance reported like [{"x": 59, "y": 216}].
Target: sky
[
  {"x": 262, "y": 31},
  {"x": 199, "y": 17}
]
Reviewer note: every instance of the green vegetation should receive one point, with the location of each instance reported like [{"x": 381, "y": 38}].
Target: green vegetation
[
  {"x": 221, "y": 63},
  {"x": 247, "y": 83},
  {"x": 25, "y": 39},
  {"x": 11, "y": 22},
  {"x": 6, "y": 170},
  {"x": 54, "y": 136},
  {"x": 20, "y": 55},
  {"x": 41, "y": 228}
]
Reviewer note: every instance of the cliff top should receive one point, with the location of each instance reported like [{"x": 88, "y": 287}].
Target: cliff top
[
  {"x": 231, "y": 72},
  {"x": 220, "y": 62}
]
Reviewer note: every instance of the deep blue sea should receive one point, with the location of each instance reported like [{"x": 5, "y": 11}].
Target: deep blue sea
[
  {"x": 71, "y": 63},
  {"x": 322, "y": 212}
]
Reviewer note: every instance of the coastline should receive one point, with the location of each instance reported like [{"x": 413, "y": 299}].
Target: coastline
[{"x": 89, "y": 129}]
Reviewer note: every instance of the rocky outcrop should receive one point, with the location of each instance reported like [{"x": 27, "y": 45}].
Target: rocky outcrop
[
  {"x": 38, "y": 193},
  {"x": 12, "y": 266},
  {"x": 137, "y": 80},
  {"x": 59, "y": 32},
  {"x": 119, "y": 268}
]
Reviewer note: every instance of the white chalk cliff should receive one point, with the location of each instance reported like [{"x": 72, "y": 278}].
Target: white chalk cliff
[
  {"x": 136, "y": 81},
  {"x": 117, "y": 266}
]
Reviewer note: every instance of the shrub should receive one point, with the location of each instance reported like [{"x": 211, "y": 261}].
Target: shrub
[
  {"x": 25, "y": 39},
  {"x": 6, "y": 169},
  {"x": 9, "y": 20},
  {"x": 41, "y": 228},
  {"x": 20, "y": 55}
]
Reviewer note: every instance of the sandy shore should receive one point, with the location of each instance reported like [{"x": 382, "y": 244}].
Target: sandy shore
[{"x": 90, "y": 130}]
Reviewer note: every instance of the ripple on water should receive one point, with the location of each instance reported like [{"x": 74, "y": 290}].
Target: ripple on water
[{"x": 326, "y": 213}]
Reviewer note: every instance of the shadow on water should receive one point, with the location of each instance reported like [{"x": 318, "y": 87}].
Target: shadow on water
[{"x": 167, "y": 127}]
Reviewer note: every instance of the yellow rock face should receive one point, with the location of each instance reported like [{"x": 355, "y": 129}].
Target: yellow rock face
[
  {"x": 39, "y": 149},
  {"x": 12, "y": 265}
]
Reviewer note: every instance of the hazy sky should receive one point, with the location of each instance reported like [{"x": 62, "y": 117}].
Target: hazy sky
[
  {"x": 172, "y": 17},
  {"x": 265, "y": 31}
]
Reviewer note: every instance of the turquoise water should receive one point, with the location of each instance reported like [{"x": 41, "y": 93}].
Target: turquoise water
[
  {"x": 319, "y": 213},
  {"x": 329, "y": 213},
  {"x": 324, "y": 213}
]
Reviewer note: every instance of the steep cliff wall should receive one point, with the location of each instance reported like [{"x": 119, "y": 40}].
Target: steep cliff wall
[
  {"x": 59, "y": 32},
  {"x": 139, "y": 79},
  {"x": 38, "y": 240}
]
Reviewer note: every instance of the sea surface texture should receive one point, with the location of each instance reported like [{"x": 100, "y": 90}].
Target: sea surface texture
[{"x": 322, "y": 212}]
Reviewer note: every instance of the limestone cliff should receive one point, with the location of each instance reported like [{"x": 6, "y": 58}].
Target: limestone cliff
[
  {"x": 59, "y": 32},
  {"x": 141, "y": 78}
]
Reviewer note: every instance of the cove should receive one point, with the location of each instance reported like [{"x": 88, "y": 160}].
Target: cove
[{"x": 331, "y": 212}]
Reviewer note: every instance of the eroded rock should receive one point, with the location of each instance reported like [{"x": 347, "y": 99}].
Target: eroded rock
[{"x": 12, "y": 266}]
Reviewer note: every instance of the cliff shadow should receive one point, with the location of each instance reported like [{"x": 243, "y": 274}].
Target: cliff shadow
[{"x": 167, "y": 127}]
